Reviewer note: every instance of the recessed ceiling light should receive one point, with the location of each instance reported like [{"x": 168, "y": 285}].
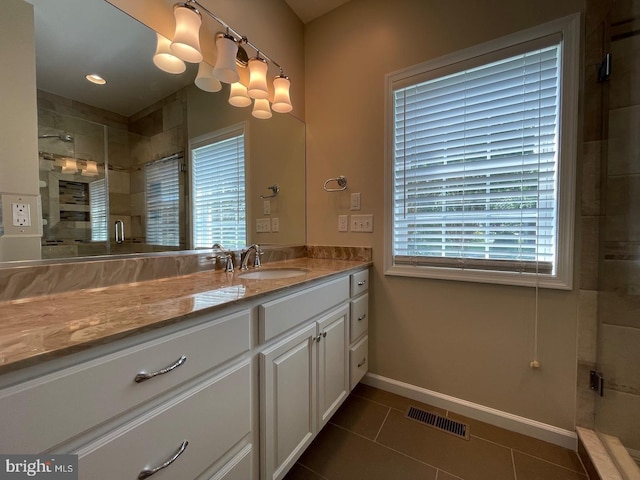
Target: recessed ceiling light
[{"x": 95, "y": 78}]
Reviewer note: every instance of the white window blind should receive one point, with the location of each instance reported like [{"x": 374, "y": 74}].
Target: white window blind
[
  {"x": 475, "y": 164},
  {"x": 98, "y": 210},
  {"x": 162, "y": 190},
  {"x": 218, "y": 184}
]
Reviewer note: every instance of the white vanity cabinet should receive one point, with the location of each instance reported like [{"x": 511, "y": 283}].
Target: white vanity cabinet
[
  {"x": 131, "y": 409},
  {"x": 305, "y": 373},
  {"x": 359, "y": 328}
]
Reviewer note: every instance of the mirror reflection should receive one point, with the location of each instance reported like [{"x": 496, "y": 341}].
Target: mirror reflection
[{"x": 102, "y": 147}]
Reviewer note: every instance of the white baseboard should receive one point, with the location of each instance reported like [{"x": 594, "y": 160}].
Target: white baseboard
[{"x": 508, "y": 421}]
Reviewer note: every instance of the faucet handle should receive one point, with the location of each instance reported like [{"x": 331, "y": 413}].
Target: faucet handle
[
  {"x": 228, "y": 267},
  {"x": 256, "y": 258}
]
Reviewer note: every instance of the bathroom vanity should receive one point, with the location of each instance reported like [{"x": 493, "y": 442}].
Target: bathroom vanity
[{"x": 233, "y": 381}]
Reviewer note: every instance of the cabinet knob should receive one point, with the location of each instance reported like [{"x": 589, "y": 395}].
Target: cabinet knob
[
  {"x": 141, "y": 377},
  {"x": 147, "y": 472},
  {"x": 362, "y": 317},
  {"x": 324, "y": 334},
  {"x": 318, "y": 338},
  {"x": 364, "y": 360}
]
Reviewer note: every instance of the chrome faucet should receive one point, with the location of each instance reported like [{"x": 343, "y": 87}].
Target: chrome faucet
[
  {"x": 244, "y": 256},
  {"x": 227, "y": 256}
]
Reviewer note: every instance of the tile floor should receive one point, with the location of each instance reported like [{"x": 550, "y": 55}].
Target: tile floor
[{"x": 369, "y": 438}]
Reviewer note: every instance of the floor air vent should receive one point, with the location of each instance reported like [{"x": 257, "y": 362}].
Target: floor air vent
[{"x": 434, "y": 420}]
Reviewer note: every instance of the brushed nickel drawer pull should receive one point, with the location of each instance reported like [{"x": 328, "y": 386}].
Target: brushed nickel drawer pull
[
  {"x": 362, "y": 317},
  {"x": 364, "y": 360},
  {"x": 147, "y": 472},
  {"x": 141, "y": 377}
]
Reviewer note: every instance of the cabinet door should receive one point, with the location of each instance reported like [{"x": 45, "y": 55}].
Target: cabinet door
[
  {"x": 333, "y": 367},
  {"x": 287, "y": 394}
]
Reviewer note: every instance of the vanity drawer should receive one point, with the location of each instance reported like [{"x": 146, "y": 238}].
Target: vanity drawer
[
  {"x": 359, "y": 321},
  {"x": 213, "y": 418},
  {"x": 359, "y": 282},
  {"x": 280, "y": 315},
  {"x": 71, "y": 401},
  {"x": 358, "y": 361}
]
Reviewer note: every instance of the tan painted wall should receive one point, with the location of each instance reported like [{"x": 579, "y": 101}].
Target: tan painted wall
[
  {"x": 18, "y": 126},
  {"x": 471, "y": 341}
]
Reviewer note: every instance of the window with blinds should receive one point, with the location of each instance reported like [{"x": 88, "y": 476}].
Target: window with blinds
[
  {"x": 476, "y": 153},
  {"x": 218, "y": 190},
  {"x": 162, "y": 202},
  {"x": 98, "y": 210}
]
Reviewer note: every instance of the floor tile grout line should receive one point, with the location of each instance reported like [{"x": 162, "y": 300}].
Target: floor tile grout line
[
  {"x": 584, "y": 473},
  {"x": 375, "y": 440},
  {"x": 312, "y": 471},
  {"x": 513, "y": 465},
  {"x": 387, "y": 447}
]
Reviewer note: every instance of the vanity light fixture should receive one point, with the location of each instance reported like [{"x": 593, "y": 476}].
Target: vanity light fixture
[
  {"x": 164, "y": 59},
  {"x": 69, "y": 165},
  {"x": 238, "y": 96},
  {"x": 261, "y": 108},
  {"x": 90, "y": 170},
  {"x": 95, "y": 78},
  {"x": 258, "y": 78},
  {"x": 225, "y": 69},
  {"x": 231, "y": 55},
  {"x": 186, "y": 41},
  {"x": 281, "y": 99},
  {"x": 206, "y": 80}
]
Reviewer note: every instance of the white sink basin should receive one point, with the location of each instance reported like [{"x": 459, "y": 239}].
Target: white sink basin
[{"x": 273, "y": 273}]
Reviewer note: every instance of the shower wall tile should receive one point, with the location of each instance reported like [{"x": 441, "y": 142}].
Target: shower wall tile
[
  {"x": 593, "y": 90},
  {"x": 623, "y": 88},
  {"x": 587, "y": 326},
  {"x": 138, "y": 204},
  {"x": 619, "y": 299},
  {"x": 148, "y": 125},
  {"x": 166, "y": 143},
  {"x": 119, "y": 182},
  {"x": 591, "y": 168},
  {"x": 624, "y": 148},
  {"x": 623, "y": 214},
  {"x": 589, "y": 238},
  {"x": 616, "y": 414},
  {"x": 620, "y": 358},
  {"x": 173, "y": 114},
  {"x": 119, "y": 204},
  {"x": 137, "y": 181}
]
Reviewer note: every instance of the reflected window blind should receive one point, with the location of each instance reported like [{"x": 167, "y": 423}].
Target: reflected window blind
[
  {"x": 162, "y": 190},
  {"x": 98, "y": 210},
  {"x": 475, "y": 162},
  {"x": 218, "y": 180}
]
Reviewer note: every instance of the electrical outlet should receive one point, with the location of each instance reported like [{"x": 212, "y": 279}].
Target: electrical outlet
[
  {"x": 21, "y": 214},
  {"x": 362, "y": 223},
  {"x": 343, "y": 223},
  {"x": 263, "y": 225},
  {"x": 275, "y": 224},
  {"x": 355, "y": 201}
]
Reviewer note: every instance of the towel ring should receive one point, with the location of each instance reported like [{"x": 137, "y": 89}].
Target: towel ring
[
  {"x": 275, "y": 189},
  {"x": 341, "y": 181}
]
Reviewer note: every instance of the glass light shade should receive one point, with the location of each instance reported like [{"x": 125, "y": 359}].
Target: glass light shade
[
  {"x": 69, "y": 166},
  {"x": 225, "y": 69},
  {"x": 281, "y": 99},
  {"x": 258, "y": 78},
  {"x": 238, "y": 96},
  {"x": 205, "y": 79},
  {"x": 91, "y": 170},
  {"x": 164, "y": 59},
  {"x": 261, "y": 108},
  {"x": 186, "y": 41}
]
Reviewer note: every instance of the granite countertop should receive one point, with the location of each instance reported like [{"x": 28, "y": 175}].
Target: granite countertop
[{"x": 37, "y": 329}]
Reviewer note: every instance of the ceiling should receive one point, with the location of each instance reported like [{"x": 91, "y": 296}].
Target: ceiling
[
  {"x": 308, "y": 10},
  {"x": 79, "y": 37}
]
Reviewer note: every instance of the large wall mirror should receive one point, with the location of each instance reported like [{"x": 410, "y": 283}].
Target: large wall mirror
[{"x": 98, "y": 143}]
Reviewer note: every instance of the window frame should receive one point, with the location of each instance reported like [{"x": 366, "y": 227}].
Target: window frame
[
  {"x": 207, "y": 139},
  {"x": 569, "y": 29}
]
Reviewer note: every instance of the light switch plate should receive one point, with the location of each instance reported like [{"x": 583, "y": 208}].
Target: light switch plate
[
  {"x": 362, "y": 223},
  {"x": 275, "y": 224},
  {"x": 355, "y": 201},
  {"x": 263, "y": 225},
  {"x": 343, "y": 223}
]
